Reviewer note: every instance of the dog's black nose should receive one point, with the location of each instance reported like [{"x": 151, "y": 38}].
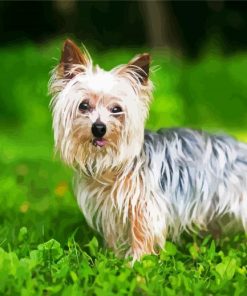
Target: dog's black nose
[{"x": 98, "y": 129}]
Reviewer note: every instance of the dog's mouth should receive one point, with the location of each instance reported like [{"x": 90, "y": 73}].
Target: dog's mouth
[{"x": 100, "y": 142}]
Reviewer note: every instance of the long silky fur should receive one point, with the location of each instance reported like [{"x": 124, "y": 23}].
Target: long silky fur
[{"x": 144, "y": 187}]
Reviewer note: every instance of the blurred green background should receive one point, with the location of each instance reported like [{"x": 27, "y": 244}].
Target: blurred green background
[
  {"x": 199, "y": 63},
  {"x": 199, "y": 72}
]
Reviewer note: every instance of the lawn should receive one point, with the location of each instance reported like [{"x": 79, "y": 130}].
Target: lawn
[{"x": 46, "y": 247}]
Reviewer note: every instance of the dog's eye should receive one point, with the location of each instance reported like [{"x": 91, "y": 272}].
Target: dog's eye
[
  {"x": 84, "y": 106},
  {"x": 116, "y": 109}
]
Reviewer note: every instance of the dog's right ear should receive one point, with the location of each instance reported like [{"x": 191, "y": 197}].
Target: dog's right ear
[
  {"x": 73, "y": 60},
  {"x": 140, "y": 66}
]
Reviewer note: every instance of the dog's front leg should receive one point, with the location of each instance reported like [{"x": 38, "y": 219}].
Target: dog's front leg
[{"x": 142, "y": 238}]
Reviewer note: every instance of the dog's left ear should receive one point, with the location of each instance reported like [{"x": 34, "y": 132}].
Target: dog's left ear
[
  {"x": 140, "y": 66},
  {"x": 71, "y": 57}
]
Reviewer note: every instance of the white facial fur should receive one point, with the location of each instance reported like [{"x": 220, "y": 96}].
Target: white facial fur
[{"x": 104, "y": 90}]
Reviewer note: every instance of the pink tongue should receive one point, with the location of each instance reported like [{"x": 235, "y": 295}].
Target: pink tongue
[{"x": 99, "y": 142}]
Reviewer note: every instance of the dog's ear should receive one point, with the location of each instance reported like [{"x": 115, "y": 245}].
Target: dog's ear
[
  {"x": 140, "y": 66},
  {"x": 72, "y": 58}
]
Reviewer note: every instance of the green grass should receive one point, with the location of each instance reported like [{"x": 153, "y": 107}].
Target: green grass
[{"x": 46, "y": 248}]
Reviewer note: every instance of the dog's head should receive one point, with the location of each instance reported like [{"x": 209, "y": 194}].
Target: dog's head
[{"x": 99, "y": 116}]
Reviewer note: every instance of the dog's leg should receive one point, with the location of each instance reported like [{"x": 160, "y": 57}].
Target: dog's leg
[{"x": 142, "y": 238}]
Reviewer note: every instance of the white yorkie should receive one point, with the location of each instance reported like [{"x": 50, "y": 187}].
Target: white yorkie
[{"x": 137, "y": 187}]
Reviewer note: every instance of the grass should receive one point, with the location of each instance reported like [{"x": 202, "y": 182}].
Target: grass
[{"x": 46, "y": 248}]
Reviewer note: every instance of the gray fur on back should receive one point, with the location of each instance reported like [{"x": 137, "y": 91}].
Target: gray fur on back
[{"x": 204, "y": 176}]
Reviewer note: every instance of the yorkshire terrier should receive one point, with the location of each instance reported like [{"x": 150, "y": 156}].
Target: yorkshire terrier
[{"x": 137, "y": 187}]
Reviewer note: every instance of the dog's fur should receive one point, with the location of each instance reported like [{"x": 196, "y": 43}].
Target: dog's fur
[{"x": 137, "y": 187}]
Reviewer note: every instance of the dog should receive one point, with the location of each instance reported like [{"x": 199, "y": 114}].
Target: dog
[{"x": 137, "y": 187}]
